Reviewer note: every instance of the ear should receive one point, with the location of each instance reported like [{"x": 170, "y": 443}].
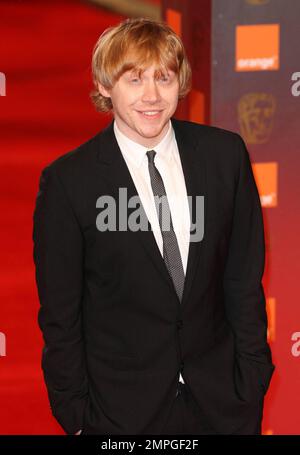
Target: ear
[{"x": 103, "y": 90}]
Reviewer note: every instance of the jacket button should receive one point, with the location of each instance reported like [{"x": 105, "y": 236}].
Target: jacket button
[{"x": 179, "y": 324}]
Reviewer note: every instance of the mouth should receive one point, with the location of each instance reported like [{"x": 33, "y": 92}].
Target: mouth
[{"x": 154, "y": 114}]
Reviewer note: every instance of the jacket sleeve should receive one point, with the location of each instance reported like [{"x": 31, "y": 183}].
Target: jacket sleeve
[
  {"x": 58, "y": 258},
  {"x": 244, "y": 295}
]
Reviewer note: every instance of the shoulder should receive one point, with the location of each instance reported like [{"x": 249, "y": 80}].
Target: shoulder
[
  {"x": 78, "y": 163},
  {"x": 80, "y": 156},
  {"x": 210, "y": 132},
  {"x": 219, "y": 145}
]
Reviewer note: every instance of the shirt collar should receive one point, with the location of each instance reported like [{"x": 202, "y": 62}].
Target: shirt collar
[{"x": 136, "y": 152}]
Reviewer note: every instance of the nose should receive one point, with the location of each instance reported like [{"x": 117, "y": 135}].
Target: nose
[{"x": 151, "y": 93}]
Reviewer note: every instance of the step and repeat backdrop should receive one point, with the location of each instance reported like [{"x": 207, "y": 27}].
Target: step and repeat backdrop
[{"x": 245, "y": 56}]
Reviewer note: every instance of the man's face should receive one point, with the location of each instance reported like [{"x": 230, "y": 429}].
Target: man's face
[{"x": 143, "y": 105}]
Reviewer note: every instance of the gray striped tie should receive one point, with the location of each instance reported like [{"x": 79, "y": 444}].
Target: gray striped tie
[{"x": 171, "y": 252}]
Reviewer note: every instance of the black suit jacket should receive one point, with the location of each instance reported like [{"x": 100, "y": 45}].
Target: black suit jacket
[{"x": 116, "y": 335}]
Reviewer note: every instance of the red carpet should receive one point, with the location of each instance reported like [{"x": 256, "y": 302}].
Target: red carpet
[{"x": 45, "y": 53}]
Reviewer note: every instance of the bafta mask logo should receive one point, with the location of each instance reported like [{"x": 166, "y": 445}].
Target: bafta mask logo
[
  {"x": 255, "y": 115},
  {"x": 257, "y": 2}
]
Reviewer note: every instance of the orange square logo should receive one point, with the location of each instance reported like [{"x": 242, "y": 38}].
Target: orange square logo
[
  {"x": 271, "y": 314},
  {"x": 266, "y": 176},
  {"x": 257, "y": 47}
]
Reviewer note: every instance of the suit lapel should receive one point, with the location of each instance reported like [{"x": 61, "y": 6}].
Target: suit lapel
[{"x": 113, "y": 169}]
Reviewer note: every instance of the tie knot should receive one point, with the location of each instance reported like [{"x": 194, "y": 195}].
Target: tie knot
[{"x": 151, "y": 154}]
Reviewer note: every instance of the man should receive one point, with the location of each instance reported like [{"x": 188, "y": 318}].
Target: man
[{"x": 152, "y": 330}]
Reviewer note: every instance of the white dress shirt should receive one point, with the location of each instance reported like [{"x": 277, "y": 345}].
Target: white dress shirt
[{"x": 167, "y": 160}]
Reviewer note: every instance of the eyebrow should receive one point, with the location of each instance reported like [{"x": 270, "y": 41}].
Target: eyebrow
[{"x": 158, "y": 72}]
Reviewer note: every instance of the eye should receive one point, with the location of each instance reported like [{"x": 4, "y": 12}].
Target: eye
[
  {"x": 165, "y": 78},
  {"x": 134, "y": 79}
]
